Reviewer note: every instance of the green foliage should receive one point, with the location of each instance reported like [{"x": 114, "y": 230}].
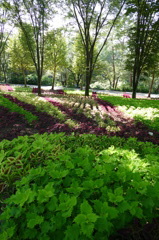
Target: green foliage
[
  {"x": 32, "y": 79},
  {"x": 46, "y": 81},
  {"x": 146, "y": 111},
  {"x": 79, "y": 187},
  {"x": 23, "y": 89},
  {"x": 40, "y": 104},
  {"x": 14, "y": 108}
]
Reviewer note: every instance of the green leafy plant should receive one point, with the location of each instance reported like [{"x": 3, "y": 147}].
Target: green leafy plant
[{"x": 80, "y": 187}]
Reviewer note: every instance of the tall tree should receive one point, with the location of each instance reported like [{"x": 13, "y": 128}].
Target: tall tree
[
  {"x": 5, "y": 30},
  {"x": 55, "y": 52},
  {"x": 36, "y": 13},
  {"x": 91, "y": 17},
  {"x": 20, "y": 57},
  {"x": 142, "y": 36},
  {"x": 4, "y": 65},
  {"x": 77, "y": 60}
]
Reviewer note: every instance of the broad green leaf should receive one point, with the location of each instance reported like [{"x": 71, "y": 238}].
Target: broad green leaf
[
  {"x": 85, "y": 207},
  {"x": 33, "y": 219}
]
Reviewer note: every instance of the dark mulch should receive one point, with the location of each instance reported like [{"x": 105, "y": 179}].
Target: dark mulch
[{"x": 138, "y": 231}]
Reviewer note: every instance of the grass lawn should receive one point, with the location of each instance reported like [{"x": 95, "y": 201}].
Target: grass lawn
[{"x": 78, "y": 168}]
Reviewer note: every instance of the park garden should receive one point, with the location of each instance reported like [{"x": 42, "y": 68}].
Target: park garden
[{"x": 79, "y": 165}]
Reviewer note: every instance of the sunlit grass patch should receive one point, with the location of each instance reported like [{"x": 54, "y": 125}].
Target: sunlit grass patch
[{"x": 144, "y": 110}]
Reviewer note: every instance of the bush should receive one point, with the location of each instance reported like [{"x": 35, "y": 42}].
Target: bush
[
  {"x": 99, "y": 86},
  {"x": 46, "y": 80},
  {"x": 32, "y": 79},
  {"x": 16, "y": 78},
  {"x": 80, "y": 187}
]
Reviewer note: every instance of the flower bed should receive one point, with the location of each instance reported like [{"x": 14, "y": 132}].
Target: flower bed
[
  {"x": 110, "y": 122},
  {"x": 5, "y": 88}
]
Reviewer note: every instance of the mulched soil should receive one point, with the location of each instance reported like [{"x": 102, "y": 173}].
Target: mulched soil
[
  {"x": 137, "y": 231},
  {"x": 13, "y": 125}
]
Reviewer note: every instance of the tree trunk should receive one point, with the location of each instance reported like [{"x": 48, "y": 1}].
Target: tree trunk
[
  {"x": 114, "y": 71},
  {"x": 89, "y": 71},
  {"x": 116, "y": 83},
  {"x": 131, "y": 80},
  {"x": 39, "y": 84},
  {"x": 25, "y": 85},
  {"x": 135, "y": 77},
  {"x": 5, "y": 77},
  {"x": 78, "y": 80},
  {"x": 87, "y": 82},
  {"x": 135, "y": 84},
  {"x": 151, "y": 85},
  {"x": 53, "y": 79}
]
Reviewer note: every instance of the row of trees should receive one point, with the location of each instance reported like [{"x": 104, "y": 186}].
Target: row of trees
[{"x": 110, "y": 36}]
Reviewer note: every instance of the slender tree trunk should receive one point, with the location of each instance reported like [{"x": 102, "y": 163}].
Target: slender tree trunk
[
  {"x": 116, "y": 83},
  {"x": 151, "y": 85},
  {"x": 78, "y": 80},
  {"x": 88, "y": 80},
  {"x": 25, "y": 84},
  {"x": 39, "y": 83},
  {"x": 53, "y": 79},
  {"x": 131, "y": 80},
  {"x": 89, "y": 71},
  {"x": 136, "y": 75},
  {"x": 5, "y": 76},
  {"x": 134, "y": 90},
  {"x": 114, "y": 71}
]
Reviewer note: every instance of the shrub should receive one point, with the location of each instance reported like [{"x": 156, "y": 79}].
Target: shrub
[{"x": 32, "y": 79}]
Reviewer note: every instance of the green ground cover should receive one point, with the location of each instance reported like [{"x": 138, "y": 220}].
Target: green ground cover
[
  {"x": 144, "y": 110},
  {"x": 77, "y": 187}
]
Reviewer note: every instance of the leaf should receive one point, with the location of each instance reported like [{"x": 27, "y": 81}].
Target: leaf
[
  {"x": 92, "y": 217},
  {"x": 2, "y": 155},
  {"x": 85, "y": 207},
  {"x": 80, "y": 218},
  {"x": 22, "y": 197},
  {"x": 52, "y": 204},
  {"x": 45, "y": 226},
  {"x": 103, "y": 224},
  {"x": 87, "y": 229},
  {"x": 4, "y": 236},
  {"x": 72, "y": 232},
  {"x": 33, "y": 219},
  {"x": 46, "y": 193}
]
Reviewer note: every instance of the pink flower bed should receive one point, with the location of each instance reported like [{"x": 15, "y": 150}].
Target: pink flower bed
[
  {"x": 125, "y": 95},
  {"x": 5, "y": 87}
]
